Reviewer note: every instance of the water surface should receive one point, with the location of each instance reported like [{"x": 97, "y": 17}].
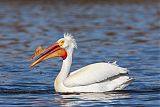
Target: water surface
[{"x": 126, "y": 32}]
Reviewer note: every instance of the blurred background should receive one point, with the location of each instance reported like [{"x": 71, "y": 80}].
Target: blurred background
[{"x": 126, "y": 31}]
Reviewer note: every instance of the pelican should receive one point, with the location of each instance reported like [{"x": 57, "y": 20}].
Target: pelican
[{"x": 97, "y": 77}]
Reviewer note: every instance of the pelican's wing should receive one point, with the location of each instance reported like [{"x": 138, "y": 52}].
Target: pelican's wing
[{"x": 93, "y": 73}]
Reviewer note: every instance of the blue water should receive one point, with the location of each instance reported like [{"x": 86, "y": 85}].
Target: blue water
[{"x": 125, "y": 32}]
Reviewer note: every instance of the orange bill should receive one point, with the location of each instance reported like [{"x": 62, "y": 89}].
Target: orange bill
[{"x": 51, "y": 52}]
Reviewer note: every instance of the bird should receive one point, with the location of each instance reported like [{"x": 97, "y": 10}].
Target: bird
[{"x": 96, "y": 77}]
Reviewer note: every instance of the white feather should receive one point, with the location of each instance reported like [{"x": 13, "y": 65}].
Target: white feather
[
  {"x": 70, "y": 38},
  {"x": 93, "y": 73}
]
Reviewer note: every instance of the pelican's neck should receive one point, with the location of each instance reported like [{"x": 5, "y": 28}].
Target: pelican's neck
[{"x": 66, "y": 65}]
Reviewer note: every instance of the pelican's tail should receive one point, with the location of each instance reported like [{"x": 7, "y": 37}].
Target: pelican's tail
[{"x": 125, "y": 84}]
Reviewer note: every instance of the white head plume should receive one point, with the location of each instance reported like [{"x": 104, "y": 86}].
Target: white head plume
[{"x": 70, "y": 38}]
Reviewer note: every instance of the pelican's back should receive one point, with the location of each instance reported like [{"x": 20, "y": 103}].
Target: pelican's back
[{"x": 94, "y": 73}]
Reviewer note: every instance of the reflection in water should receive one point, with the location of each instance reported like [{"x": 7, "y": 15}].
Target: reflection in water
[{"x": 89, "y": 98}]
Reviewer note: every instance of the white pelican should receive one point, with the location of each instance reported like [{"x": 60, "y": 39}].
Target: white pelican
[{"x": 97, "y": 77}]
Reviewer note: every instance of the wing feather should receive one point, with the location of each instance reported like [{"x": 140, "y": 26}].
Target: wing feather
[{"x": 93, "y": 73}]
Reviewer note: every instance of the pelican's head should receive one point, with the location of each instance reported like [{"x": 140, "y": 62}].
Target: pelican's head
[{"x": 58, "y": 49}]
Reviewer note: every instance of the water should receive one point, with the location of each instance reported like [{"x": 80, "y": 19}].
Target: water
[{"x": 126, "y": 32}]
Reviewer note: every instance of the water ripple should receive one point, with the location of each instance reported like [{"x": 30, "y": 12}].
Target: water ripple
[{"x": 127, "y": 32}]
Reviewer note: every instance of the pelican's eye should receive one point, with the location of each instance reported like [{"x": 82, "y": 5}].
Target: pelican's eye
[{"x": 61, "y": 42}]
